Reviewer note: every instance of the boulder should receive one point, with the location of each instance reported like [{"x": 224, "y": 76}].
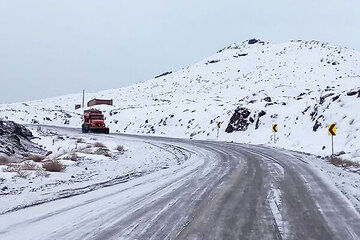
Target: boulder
[
  {"x": 15, "y": 140},
  {"x": 253, "y": 41},
  {"x": 239, "y": 120}
]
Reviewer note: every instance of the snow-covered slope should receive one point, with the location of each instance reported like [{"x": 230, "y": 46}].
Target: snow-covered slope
[{"x": 301, "y": 85}]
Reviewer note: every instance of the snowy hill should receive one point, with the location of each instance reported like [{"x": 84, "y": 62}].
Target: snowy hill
[{"x": 302, "y": 86}]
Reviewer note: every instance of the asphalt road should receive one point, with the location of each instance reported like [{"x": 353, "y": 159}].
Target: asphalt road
[{"x": 231, "y": 191}]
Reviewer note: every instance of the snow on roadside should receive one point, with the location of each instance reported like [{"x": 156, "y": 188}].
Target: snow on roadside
[
  {"x": 345, "y": 179},
  {"x": 93, "y": 167}
]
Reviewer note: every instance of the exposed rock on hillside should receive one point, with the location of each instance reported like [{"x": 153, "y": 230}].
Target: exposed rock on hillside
[
  {"x": 239, "y": 120},
  {"x": 15, "y": 140}
]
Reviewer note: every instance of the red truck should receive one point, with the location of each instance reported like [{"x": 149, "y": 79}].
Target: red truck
[{"x": 94, "y": 122}]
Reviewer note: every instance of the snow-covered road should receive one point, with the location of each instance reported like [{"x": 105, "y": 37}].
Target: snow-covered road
[{"x": 222, "y": 191}]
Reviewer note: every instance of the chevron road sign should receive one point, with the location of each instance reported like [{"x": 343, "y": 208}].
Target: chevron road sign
[
  {"x": 275, "y": 128},
  {"x": 332, "y": 133},
  {"x": 332, "y": 129}
]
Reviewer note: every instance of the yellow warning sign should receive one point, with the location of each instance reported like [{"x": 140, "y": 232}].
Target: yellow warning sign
[
  {"x": 332, "y": 129},
  {"x": 275, "y": 128}
]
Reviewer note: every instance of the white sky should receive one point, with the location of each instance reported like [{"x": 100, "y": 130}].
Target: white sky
[{"x": 56, "y": 47}]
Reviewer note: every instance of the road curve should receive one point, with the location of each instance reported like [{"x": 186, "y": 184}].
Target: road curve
[{"x": 223, "y": 191}]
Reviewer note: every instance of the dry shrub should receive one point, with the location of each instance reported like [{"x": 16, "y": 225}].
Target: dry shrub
[
  {"x": 86, "y": 150},
  {"x": 73, "y": 157},
  {"x": 98, "y": 144},
  {"x": 12, "y": 168},
  {"x": 120, "y": 148},
  {"x": 28, "y": 166},
  {"x": 4, "y": 160},
  {"x": 22, "y": 174},
  {"x": 54, "y": 166},
  {"x": 24, "y": 166},
  {"x": 80, "y": 140},
  {"x": 102, "y": 151},
  {"x": 35, "y": 158},
  {"x": 42, "y": 173},
  {"x": 343, "y": 163}
]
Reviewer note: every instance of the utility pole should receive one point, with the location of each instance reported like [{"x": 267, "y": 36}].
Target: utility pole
[{"x": 83, "y": 99}]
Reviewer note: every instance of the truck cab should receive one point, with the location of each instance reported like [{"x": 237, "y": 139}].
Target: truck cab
[{"x": 94, "y": 122}]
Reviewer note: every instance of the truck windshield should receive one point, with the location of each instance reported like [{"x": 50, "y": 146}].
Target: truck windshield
[{"x": 97, "y": 117}]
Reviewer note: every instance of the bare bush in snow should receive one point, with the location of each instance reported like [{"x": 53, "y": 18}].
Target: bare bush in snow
[
  {"x": 54, "y": 166},
  {"x": 343, "y": 163},
  {"x": 35, "y": 158},
  {"x": 98, "y": 144}
]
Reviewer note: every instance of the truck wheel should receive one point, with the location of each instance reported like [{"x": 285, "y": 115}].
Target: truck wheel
[{"x": 84, "y": 129}]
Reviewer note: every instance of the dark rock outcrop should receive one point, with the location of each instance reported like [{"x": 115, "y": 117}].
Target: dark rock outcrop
[
  {"x": 163, "y": 74},
  {"x": 267, "y": 99},
  {"x": 239, "y": 120},
  {"x": 260, "y": 114},
  {"x": 212, "y": 61},
  {"x": 353, "y": 93},
  {"x": 15, "y": 140},
  {"x": 253, "y": 41}
]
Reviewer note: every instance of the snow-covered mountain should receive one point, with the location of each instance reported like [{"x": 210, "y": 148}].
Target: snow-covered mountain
[{"x": 301, "y": 85}]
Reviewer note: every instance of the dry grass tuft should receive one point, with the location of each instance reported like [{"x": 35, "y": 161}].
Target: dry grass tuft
[
  {"x": 73, "y": 157},
  {"x": 30, "y": 166},
  {"x": 24, "y": 166},
  {"x": 103, "y": 151},
  {"x": 343, "y": 163},
  {"x": 54, "y": 166},
  {"x": 120, "y": 148},
  {"x": 98, "y": 144},
  {"x": 12, "y": 168},
  {"x": 35, "y": 158},
  {"x": 4, "y": 160},
  {"x": 22, "y": 173}
]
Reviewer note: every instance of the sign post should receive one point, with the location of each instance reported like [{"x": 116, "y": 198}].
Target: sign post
[
  {"x": 275, "y": 129},
  {"x": 332, "y": 133}
]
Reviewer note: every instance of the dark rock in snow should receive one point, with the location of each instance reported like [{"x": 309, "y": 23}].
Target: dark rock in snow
[
  {"x": 352, "y": 93},
  {"x": 317, "y": 123},
  {"x": 267, "y": 99},
  {"x": 212, "y": 61},
  {"x": 239, "y": 120},
  {"x": 253, "y": 41},
  {"x": 15, "y": 140},
  {"x": 322, "y": 98},
  {"x": 240, "y": 55},
  {"x": 260, "y": 114},
  {"x": 335, "y": 98},
  {"x": 163, "y": 74}
]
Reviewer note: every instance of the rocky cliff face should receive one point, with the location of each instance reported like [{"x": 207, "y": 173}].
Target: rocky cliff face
[{"x": 15, "y": 140}]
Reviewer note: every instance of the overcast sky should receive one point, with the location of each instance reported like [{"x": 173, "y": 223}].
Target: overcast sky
[{"x": 55, "y": 47}]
